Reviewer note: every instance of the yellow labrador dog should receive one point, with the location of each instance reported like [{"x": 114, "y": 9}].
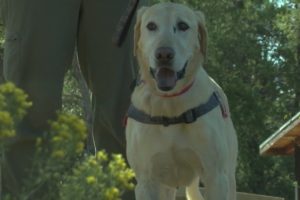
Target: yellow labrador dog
[{"x": 179, "y": 130}]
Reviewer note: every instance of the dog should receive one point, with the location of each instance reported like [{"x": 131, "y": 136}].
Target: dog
[{"x": 179, "y": 131}]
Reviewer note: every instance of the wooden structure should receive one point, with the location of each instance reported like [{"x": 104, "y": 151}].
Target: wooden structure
[
  {"x": 240, "y": 196},
  {"x": 286, "y": 141}
]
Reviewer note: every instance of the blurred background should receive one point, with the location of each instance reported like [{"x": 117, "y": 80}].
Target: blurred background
[{"x": 254, "y": 54}]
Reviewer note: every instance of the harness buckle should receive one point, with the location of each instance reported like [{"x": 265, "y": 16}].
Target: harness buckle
[
  {"x": 165, "y": 121},
  {"x": 189, "y": 116}
]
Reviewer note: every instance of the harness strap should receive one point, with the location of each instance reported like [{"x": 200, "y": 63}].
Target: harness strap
[
  {"x": 124, "y": 23},
  {"x": 187, "y": 117}
]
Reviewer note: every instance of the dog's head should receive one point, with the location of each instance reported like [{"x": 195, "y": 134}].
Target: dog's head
[{"x": 170, "y": 43}]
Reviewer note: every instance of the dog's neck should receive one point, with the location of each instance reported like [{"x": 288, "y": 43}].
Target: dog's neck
[
  {"x": 183, "y": 90},
  {"x": 147, "y": 100}
]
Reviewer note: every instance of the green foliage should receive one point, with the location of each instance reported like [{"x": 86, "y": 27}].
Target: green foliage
[
  {"x": 1, "y": 35},
  {"x": 56, "y": 154},
  {"x": 87, "y": 179},
  {"x": 60, "y": 169},
  {"x": 13, "y": 101},
  {"x": 13, "y": 105},
  {"x": 72, "y": 96}
]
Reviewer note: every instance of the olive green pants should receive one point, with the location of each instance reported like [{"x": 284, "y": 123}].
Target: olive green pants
[{"x": 40, "y": 38}]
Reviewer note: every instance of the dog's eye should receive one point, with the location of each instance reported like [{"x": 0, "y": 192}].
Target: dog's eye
[
  {"x": 151, "y": 26},
  {"x": 182, "y": 26}
]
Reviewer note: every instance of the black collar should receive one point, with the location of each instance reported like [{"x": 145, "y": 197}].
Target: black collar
[{"x": 187, "y": 117}]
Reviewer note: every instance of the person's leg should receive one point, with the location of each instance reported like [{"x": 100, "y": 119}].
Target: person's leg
[
  {"x": 108, "y": 69},
  {"x": 40, "y": 37}
]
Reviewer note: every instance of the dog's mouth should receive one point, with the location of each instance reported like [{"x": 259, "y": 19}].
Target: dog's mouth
[{"x": 166, "y": 77}]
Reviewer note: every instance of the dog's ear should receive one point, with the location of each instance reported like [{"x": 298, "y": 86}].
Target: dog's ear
[
  {"x": 202, "y": 36},
  {"x": 137, "y": 28}
]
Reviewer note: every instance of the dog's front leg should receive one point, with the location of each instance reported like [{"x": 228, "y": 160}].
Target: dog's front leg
[
  {"x": 232, "y": 186},
  {"x": 218, "y": 187},
  {"x": 151, "y": 190}
]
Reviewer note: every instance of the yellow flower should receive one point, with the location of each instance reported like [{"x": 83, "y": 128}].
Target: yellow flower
[
  {"x": 13, "y": 100},
  {"x": 112, "y": 193},
  {"x": 39, "y": 141},
  {"x": 102, "y": 156},
  {"x": 79, "y": 147},
  {"x": 129, "y": 186},
  {"x": 119, "y": 161},
  {"x": 56, "y": 139},
  {"x": 80, "y": 127},
  {"x": 66, "y": 135},
  {"x": 55, "y": 126},
  {"x": 7, "y": 133},
  {"x": 90, "y": 180},
  {"x": 92, "y": 162},
  {"x": 5, "y": 118},
  {"x": 58, "y": 154}
]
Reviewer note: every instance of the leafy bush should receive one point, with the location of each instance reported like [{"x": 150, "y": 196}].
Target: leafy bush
[
  {"x": 13, "y": 107},
  {"x": 60, "y": 169},
  {"x": 96, "y": 174}
]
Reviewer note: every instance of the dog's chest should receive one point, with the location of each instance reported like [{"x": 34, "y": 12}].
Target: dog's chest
[
  {"x": 175, "y": 167},
  {"x": 167, "y": 154}
]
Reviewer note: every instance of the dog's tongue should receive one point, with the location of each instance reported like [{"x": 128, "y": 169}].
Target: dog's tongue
[{"x": 165, "y": 78}]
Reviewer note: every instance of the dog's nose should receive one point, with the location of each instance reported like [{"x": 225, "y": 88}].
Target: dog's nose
[{"x": 164, "y": 54}]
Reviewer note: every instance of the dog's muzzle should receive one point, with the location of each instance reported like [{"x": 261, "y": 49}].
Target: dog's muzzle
[
  {"x": 164, "y": 74},
  {"x": 166, "y": 77}
]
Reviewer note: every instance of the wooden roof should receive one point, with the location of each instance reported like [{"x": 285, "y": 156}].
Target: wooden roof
[{"x": 282, "y": 142}]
